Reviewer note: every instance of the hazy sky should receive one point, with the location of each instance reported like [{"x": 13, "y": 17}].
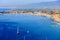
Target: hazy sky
[{"x": 20, "y": 2}]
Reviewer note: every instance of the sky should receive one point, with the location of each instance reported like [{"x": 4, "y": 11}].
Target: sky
[{"x": 14, "y": 3}]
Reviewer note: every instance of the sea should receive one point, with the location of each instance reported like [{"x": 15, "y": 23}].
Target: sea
[{"x": 28, "y": 27}]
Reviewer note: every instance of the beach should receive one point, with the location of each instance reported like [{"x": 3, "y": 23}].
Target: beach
[{"x": 55, "y": 17}]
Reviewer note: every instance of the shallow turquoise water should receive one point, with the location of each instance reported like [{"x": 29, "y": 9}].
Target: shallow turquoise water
[{"x": 30, "y": 27}]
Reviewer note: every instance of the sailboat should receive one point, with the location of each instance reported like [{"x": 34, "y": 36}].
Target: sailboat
[
  {"x": 46, "y": 38},
  {"x": 18, "y": 31}
]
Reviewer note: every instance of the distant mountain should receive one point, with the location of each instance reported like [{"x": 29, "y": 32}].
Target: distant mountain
[
  {"x": 42, "y": 5},
  {"x": 54, "y": 4}
]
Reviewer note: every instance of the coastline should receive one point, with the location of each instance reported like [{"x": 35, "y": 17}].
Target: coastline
[{"x": 55, "y": 17}]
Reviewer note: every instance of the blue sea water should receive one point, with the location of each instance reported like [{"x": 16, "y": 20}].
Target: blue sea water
[{"x": 30, "y": 27}]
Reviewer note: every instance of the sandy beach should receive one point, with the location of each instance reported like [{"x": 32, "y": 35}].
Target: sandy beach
[{"x": 55, "y": 17}]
